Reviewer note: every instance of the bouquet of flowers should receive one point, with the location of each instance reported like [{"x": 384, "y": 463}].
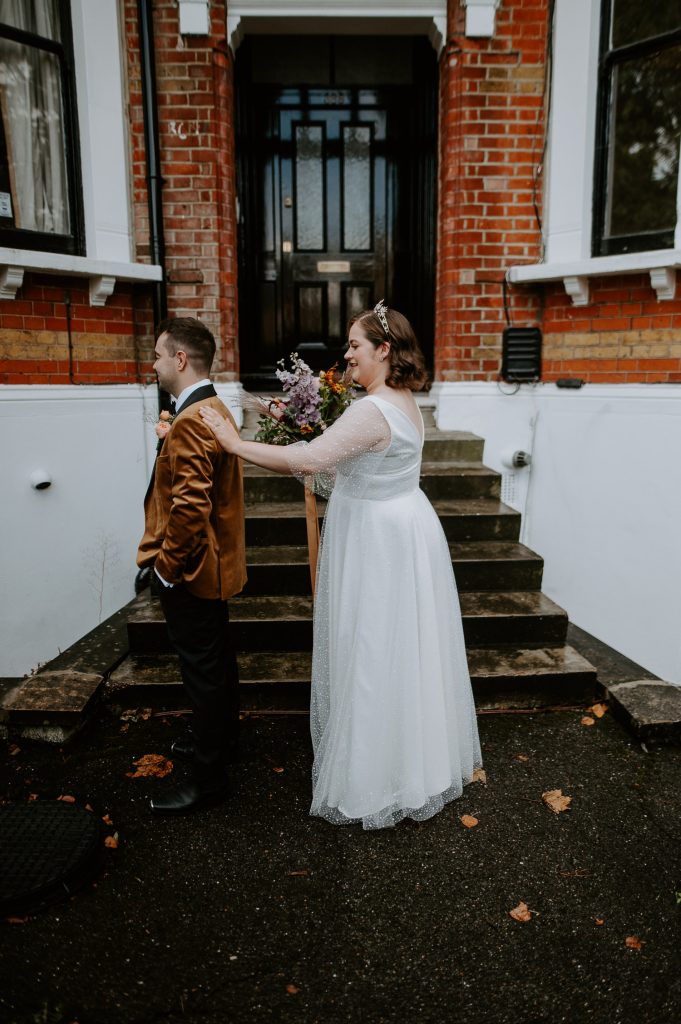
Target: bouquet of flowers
[{"x": 311, "y": 403}]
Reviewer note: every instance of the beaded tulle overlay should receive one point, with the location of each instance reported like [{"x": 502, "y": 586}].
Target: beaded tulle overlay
[{"x": 392, "y": 714}]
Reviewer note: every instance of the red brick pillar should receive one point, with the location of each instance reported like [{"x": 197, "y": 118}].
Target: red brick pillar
[
  {"x": 491, "y": 150},
  {"x": 194, "y": 83}
]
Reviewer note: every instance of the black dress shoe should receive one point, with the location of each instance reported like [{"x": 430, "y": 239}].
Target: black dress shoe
[
  {"x": 185, "y": 751},
  {"x": 190, "y": 796}
]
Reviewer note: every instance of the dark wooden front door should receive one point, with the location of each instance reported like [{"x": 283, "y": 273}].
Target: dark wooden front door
[{"x": 329, "y": 222}]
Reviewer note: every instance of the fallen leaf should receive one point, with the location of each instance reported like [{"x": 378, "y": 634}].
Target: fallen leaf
[
  {"x": 13, "y": 750},
  {"x": 129, "y": 715},
  {"x": 468, "y": 820},
  {"x": 480, "y": 775},
  {"x": 598, "y": 710},
  {"x": 292, "y": 990},
  {"x": 151, "y": 764},
  {"x": 554, "y": 799},
  {"x": 124, "y": 728},
  {"x": 67, "y": 799},
  {"x": 588, "y": 720},
  {"x": 32, "y": 797},
  {"x": 599, "y": 920},
  {"x": 111, "y": 842},
  {"x": 633, "y": 942},
  {"x": 303, "y": 871},
  {"x": 278, "y": 770},
  {"x": 107, "y": 820},
  {"x": 521, "y": 913},
  {"x": 145, "y": 714},
  {"x": 88, "y": 807},
  {"x": 16, "y": 920},
  {"x": 521, "y": 757}
]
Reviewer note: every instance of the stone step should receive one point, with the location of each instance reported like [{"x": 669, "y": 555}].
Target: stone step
[
  {"x": 51, "y": 705},
  {"x": 452, "y": 446},
  {"x": 478, "y": 565},
  {"x": 469, "y": 519},
  {"x": 273, "y": 622},
  {"x": 280, "y": 681},
  {"x": 452, "y": 480}
]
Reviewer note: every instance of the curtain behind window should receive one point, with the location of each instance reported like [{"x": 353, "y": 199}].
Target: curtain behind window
[{"x": 32, "y": 112}]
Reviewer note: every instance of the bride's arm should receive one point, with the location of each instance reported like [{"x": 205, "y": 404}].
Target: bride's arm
[{"x": 361, "y": 428}]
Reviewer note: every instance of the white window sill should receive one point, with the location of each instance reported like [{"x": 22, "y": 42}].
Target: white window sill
[
  {"x": 660, "y": 264},
  {"x": 103, "y": 274}
]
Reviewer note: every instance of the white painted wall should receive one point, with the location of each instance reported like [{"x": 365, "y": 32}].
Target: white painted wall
[
  {"x": 67, "y": 558},
  {"x": 601, "y": 502}
]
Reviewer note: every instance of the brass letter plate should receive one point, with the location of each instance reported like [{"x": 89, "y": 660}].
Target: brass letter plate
[{"x": 333, "y": 267}]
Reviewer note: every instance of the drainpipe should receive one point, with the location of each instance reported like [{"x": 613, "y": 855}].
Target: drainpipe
[{"x": 152, "y": 149}]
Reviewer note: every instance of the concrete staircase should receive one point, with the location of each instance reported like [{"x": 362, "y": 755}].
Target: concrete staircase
[{"x": 515, "y": 635}]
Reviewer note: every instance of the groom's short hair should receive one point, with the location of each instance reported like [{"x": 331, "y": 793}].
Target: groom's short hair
[{"x": 189, "y": 335}]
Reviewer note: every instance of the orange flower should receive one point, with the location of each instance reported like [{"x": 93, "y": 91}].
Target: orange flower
[
  {"x": 306, "y": 429},
  {"x": 165, "y": 416},
  {"x": 162, "y": 428}
]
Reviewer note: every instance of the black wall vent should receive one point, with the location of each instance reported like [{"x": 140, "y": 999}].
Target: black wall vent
[{"x": 521, "y": 354}]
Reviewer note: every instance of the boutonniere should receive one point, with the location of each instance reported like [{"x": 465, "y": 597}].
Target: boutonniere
[{"x": 165, "y": 422}]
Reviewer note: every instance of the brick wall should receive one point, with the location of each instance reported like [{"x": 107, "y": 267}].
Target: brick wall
[
  {"x": 194, "y": 81},
  {"x": 624, "y": 335},
  {"x": 492, "y": 125},
  {"x": 112, "y": 344},
  {"x": 492, "y": 142}
]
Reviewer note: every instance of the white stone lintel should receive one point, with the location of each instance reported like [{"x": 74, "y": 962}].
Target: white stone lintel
[
  {"x": 578, "y": 290},
  {"x": 386, "y": 17},
  {"x": 481, "y": 18},
  {"x": 660, "y": 264},
  {"x": 11, "y": 279}
]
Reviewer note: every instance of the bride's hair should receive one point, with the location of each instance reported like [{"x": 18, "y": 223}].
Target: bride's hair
[{"x": 407, "y": 367}]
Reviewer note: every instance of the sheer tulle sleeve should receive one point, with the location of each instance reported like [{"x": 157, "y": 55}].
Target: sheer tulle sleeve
[{"x": 362, "y": 428}]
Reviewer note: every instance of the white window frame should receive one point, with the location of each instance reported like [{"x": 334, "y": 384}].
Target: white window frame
[{"x": 103, "y": 128}]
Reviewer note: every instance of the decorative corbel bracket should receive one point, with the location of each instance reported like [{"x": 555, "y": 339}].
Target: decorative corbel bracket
[
  {"x": 11, "y": 279},
  {"x": 578, "y": 290},
  {"x": 480, "y": 18},
  {"x": 235, "y": 32},
  {"x": 100, "y": 289},
  {"x": 438, "y": 33},
  {"x": 663, "y": 280}
]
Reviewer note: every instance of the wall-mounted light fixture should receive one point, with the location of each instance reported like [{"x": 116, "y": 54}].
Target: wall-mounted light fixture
[{"x": 40, "y": 480}]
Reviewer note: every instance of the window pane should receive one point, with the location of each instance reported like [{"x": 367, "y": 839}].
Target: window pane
[
  {"x": 633, "y": 20},
  {"x": 644, "y": 149},
  {"x": 357, "y": 187},
  {"x": 31, "y": 106},
  {"x": 309, "y": 187},
  {"x": 38, "y": 16}
]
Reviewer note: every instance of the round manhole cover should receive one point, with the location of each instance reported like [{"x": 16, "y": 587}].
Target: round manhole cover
[{"x": 46, "y": 851}]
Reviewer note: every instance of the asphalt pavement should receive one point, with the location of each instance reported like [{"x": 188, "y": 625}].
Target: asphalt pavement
[{"x": 253, "y": 911}]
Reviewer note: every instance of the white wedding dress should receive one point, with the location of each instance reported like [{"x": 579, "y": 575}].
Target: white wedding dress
[{"x": 392, "y": 715}]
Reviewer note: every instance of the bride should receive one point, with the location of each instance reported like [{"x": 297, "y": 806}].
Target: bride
[{"x": 392, "y": 716}]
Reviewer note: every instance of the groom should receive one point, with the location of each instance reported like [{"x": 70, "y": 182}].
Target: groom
[{"x": 194, "y": 539}]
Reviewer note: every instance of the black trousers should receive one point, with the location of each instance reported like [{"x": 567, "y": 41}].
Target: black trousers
[{"x": 199, "y": 632}]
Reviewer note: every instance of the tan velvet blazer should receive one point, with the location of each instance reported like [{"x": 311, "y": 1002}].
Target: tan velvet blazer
[{"x": 194, "y": 510}]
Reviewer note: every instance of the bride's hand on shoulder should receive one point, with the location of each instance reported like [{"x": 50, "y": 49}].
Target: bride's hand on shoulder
[{"x": 225, "y": 434}]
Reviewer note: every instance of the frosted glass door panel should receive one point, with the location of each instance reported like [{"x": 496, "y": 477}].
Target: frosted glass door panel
[
  {"x": 309, "y": 203},
  {"x": 357, "y": 179}
]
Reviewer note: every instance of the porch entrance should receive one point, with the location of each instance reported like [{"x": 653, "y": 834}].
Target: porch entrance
[{"x": 336, "y": 163}]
